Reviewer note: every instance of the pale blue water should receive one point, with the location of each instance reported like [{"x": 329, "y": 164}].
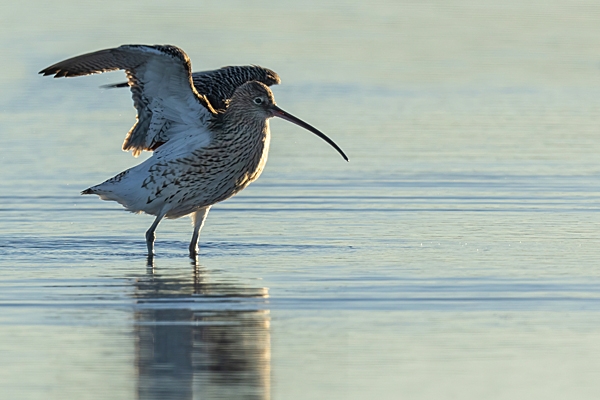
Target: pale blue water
[{"x": 455, "y": 256}]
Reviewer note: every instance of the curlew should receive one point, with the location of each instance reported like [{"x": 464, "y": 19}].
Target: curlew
[{"x": 207, "y": 146}]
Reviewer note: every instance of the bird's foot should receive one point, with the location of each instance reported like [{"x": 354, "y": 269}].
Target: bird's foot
[
  {"x": 150, "y": 262},
  {"x": 150, "y": 243},
  {"x": 194, "y": 250}
]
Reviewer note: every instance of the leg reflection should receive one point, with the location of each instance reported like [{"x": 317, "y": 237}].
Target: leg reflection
[{"x": 197, "y": 339}]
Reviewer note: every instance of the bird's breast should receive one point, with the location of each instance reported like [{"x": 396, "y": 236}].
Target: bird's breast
[
  {"x": 231, "y": 165},
  {"x": 210, "y": 174},
  {"x": 256, "y": 159}
]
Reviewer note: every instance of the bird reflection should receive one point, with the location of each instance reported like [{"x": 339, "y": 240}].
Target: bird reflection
[{"x": 197, "y": 339}]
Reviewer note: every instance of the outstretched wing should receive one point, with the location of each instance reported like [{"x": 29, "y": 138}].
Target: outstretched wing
[
  {"x": 218, "y": 85},
  {"x": 161, "y": 85}
]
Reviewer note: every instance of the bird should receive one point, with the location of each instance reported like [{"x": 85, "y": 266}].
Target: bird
[{"x": 203, "y": 153}]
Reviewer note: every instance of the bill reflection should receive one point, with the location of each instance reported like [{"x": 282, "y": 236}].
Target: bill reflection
[{"x": 196, "y": 339}]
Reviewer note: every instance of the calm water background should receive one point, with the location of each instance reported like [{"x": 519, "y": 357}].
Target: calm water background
[{"x": 455, "y": 256}]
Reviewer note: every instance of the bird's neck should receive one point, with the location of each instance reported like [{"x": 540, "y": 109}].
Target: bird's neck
[
  {"x": 237, "y": 126},
  {"x": 247, "y": 143}
]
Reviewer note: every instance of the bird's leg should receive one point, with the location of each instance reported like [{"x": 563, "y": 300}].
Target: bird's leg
[
  {"x": 198, "y": 220},
  {"x": 150, "y": 236}
]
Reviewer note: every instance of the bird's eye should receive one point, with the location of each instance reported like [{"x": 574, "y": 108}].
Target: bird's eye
[{"x": 258, "y": 100}]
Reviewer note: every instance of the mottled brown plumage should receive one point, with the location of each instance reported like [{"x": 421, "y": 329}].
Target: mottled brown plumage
[{"x": 209, "y": 157}]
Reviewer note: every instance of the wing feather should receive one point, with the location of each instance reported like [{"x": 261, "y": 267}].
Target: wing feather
[
  {"x": 218, "y": 85},
  {"x": 160, "y": 81}
]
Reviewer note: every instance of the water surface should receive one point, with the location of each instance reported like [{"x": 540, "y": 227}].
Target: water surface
[{"x": 455, "y": 256}]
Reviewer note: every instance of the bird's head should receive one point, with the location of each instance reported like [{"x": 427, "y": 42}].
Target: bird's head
[{"x": 255, "y": 100}]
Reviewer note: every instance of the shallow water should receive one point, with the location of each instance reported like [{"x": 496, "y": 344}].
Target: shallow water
[{"x": 455, "y": 256}]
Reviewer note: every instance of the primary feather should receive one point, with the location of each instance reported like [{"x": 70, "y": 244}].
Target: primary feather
[{"x": 168, "y": 97}]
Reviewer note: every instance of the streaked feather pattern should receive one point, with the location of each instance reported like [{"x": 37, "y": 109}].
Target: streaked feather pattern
[
  {"x": 159, "y": 78},
  {"x": 202, "y": 156}
]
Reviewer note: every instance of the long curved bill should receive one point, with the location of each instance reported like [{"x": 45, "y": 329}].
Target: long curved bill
[{"x": 278, "y": 112}]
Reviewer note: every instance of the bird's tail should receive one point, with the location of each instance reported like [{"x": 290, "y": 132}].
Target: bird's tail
[{"x": 88, "y": 191}]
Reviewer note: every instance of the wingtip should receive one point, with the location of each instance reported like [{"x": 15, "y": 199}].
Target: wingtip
[
  {"x": 273, "y": 76},
  {"x": 87, "y": 191},
  {"x": 45, "y": 72},
  {"x": 270, "y": 77},
  {"x": 277, "y": 78},
  {"x": 57, "y": 72}
]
